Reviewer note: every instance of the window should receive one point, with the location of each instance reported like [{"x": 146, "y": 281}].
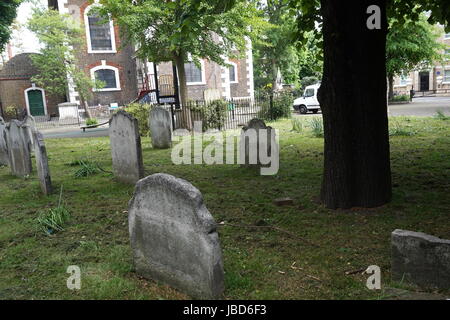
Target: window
[
  {"x": 233, "y": 73},
  {"x": 447, "y": 76},
  {"x": 108, "y": 75},
  {"x": 403, "y": 80},
  {"x": 309, "y": 93},
  {"x": 100, "y": 36},
  {"x": 194, "y": 74}
]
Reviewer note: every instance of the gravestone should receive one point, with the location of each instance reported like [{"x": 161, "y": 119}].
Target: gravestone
[
  {"x": 126, "y": 148},
  {"x": 4, "y": 161},
  {"x": 174, "y": 237},
  {"x": 19, "y": 151},
  {"x": 421, "y": 259},
  {"x": 30, "y": 125},
  {"x": 160, "y": 124},
  {"x": 40, "y": 153},
  {"x": 258, "y": 146}
]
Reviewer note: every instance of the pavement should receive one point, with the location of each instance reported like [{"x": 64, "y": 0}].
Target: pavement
[{"x": 420, "y": 107}]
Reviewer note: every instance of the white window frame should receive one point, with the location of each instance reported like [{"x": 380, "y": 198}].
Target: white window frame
[
  {"x": 236, "y": 76},
  {"x": 443, "y": 77},
  {"x": 88, "y": 33},
  {"x": 116, "y": 71},
  {"x": 33, "y": 87},
  {"x": 202, "y": 68}
]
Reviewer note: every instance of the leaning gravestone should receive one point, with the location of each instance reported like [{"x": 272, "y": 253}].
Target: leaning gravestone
[
  {"x": 40, "y": 152},
  {"x": 19, "y": 151},
  {"x": 160, "y": 128},
  {"x": 421, "y": 259},
  {"x": 174, "y": 237},
  {"x": 126, "y": 149},
  {"x": 254, "y": 151},
  {"x": 4, "y": 161}
]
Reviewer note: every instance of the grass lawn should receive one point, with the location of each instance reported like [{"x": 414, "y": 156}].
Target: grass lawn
[{"x": 304, "y": 257}]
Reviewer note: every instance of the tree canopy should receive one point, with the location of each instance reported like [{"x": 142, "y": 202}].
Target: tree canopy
[{"x": 8, "y": 12}]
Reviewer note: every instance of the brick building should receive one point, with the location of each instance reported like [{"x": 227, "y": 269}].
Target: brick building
[
  {"x": 17, "y": 90},
  {"x": 435, "y": 78}
]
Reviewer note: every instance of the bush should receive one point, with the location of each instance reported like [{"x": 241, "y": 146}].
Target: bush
[
  {"x": 281, "y": 107},
  {"x": 11, "y": 112},
  {"x": 91, "y": 122},
  {"x": 213, "y": 114},
  {"x": 400, "y": 98},
  {"x": 141, "y": 113}
]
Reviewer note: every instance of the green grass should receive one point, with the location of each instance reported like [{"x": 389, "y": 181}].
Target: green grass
[{"x": 259, "y": 262}]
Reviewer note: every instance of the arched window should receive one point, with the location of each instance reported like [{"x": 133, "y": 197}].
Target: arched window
[
  {"x": 108, "y": 75},
  {"x": 233, "y": 73},
  {"x": 99, "y": 35}
]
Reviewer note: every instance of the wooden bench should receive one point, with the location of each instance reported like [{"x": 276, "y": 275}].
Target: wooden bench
[{"x": 93, "y": 126}]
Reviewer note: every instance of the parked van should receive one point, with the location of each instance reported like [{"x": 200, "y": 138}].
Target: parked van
[{"x": 308, "y": 102}]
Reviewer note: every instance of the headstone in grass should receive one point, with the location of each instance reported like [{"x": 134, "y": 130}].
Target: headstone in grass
[
  {"x": 421, "y": 259},
  {"x": 4, "y": 161},
  {"x": 40, "y": 153},
  {"x": 18, "y": 147},
  {"x": 160, "y": 124},
  {"x": 258, "y": 146},
  {"x": 174, "y": 237},
  {"x": 126, "y": 148},
  {"x": 30, "y": 127}
]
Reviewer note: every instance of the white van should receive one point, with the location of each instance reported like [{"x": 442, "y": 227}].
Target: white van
[{"x": 309, "y": 100}]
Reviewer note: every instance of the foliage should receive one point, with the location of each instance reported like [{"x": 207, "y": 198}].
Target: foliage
[
  {"x": 91, "y": 122},
  {"x": 213, "y": 114},
  {"x": 8, "y": 12},
  {"x": 280, "y": 106},
  {"x": 412, "y": 45},
  {"x": 400, "y": 98},
  {"x": 53, "y": 220},
  {"x": 62, "y": 38},
  {"x": 11, "y": 111},
  {"x": 441, "y": 116},
  {"x": 141, "y": 113},
  {"x": 316, "y": 125},
  {"x": 87, "y": 168},
  {"x": 397, "y": 128},
  {"x": 297, "y": 125}
]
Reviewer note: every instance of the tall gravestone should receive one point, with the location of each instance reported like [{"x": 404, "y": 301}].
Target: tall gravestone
[
  {"x": 160, "y": 124},
  {"x": 174, "y": 237},
  {"x": 258, "y": 146},
  {"x": 30, "y": 127},
  {"x": 126, "y": 147},
  {"x": 40, "y": 153},
  {"x": 421, "y": 259},
  {"x": 19, "y": 151},
  {"x": 4, "y": 160}
]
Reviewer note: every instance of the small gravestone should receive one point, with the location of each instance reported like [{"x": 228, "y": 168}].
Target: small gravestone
[
  {"x": 160, "y": 128},
  {"x": 30, "y": 127},
  {"x": 19, "y": 151},
  {"x": 258, "y": 147},
  {"x": 4, "y": 160},
  {"x": 126, "y": 148},
  {"x": 40, "y": 153},
  {"x": 174, "y": 237},
  {"x": 421, "y": 259}
]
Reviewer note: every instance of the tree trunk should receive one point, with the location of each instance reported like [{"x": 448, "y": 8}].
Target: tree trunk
[
  {"x": 353, "y": 102},
  {"x": 391, "y": 87},
  {"x": 187, "y": 120}
]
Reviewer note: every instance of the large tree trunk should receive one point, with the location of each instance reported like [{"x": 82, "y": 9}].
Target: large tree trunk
[
  {"x": 353, "y": 101},
  {"x": 391, "y": 87},
  {"x": 186, "y": 118}
]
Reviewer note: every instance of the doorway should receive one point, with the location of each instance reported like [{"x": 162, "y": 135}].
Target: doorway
[
  {"x": 424, "y": 80},
  {"x": 35, "y": 99}
]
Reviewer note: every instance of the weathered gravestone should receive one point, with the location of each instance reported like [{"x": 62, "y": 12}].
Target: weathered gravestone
[
  {"x": 4, "y": 161},
  {"x": 160, "y": 124},
  {"x": 126, "y": 147},
  {"x": 420, "y": 259},
  {"x": 40, "y": 152},
  {"x": 258, "y": 147},
  {"x": 174, "y": 238},
  {"x": 19, "y": 151},
  {"x": 30, "y": 127}
]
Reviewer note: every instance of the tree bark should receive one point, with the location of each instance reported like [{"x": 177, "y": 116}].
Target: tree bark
[
  {"x": 187, "y": 120},
  {"x": 391, "y": 87},
  {"x": 353, "y": 102}
]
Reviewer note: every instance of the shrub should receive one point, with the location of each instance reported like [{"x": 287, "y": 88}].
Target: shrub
[
  {"x": 11, "y": 112},
  {"x": 213, "y": 114},
  {"x": 317, "y": 127},
  {"x": 400, "y": 98},
  {"x": 281, "y": 107},
  {"x": 141, "y": 113},
  {"x": 91, "y": 122}
]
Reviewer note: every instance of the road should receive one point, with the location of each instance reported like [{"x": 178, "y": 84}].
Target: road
[{"x": 74, "y": 132}]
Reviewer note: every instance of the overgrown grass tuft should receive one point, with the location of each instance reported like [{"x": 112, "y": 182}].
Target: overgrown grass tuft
[
  {"x": 87, "y": 168},
  {"x": 398, "y": 129},
  {"x": 317, "y": 127},
  {"x": 441, "y": 116},
  {"x": 53, "y": 220},
  {"x": 297, "y": 125}
]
